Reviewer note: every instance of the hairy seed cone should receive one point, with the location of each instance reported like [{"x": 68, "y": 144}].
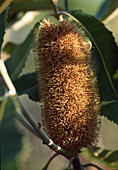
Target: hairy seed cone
[{"x": 70, "y": 95}]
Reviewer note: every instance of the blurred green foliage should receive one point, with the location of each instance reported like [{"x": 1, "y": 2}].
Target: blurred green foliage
[{"x": 10, "y": 136}]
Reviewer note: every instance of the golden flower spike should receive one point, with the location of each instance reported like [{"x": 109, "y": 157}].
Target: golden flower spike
[{"x": 70, "y": 95}]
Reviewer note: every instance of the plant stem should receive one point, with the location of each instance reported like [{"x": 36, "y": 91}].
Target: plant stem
[
  {"x": 46, "y": 166},
  {"x": 76, "y": 164},
  {"x": 56, "y": 10},
  {"x": 4, "y": 73},
  {"x": 22, "y": 110},
  {"x": 55, "y": 7},
  {"x": 34, "y": 124}
]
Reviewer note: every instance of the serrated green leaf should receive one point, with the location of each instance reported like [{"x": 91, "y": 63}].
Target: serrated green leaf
[
  {"x": 106, "y": 54},
  {"x": 10, "y": 137},
  {"x": 17, "y": 60},
  {"x": 2, "y": 26}
]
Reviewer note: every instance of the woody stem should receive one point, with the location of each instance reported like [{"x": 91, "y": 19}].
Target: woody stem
[
  {"x": 77, "y": 164},
  {"x": 56, "y": 10}
]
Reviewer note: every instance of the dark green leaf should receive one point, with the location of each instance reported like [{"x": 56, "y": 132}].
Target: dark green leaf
[
  {"x": 34, "y": 94},
  {"x": 96, "y": 61},
  {"x": 110, "y": 110},
  {"x": 16, "y": 63},
  {"x": 9, "y": 48},
  {"x": 112, "y": 157},
  {"x": 2, "y": 26},
  {"x": 103, "y": 153},
  {"x": 2, "y": 109},
  {"x": 10, "y": 136},
  {"x": 27, "y": 84},
  {"x": 2, "y": 89},
  {"x": 109, "y": 156},
  {"x": 31, "y": 5},
  {"x": 106, "y": 62},
  {"x": 115, "y": 77}
]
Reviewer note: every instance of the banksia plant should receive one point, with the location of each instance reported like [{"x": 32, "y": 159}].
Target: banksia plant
[{"x": 68, "y": 84}]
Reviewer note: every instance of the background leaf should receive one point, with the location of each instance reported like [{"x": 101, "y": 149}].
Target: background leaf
[
  {"x": 27, "y": 84},
  {"x": 17, "y": 60},
  {"x": 108, "y": 156},
  {"x": 31, "y": 5},
  {"x": 9, "y": 48},
  {"x": 102, "y": 9},
  {"x": 34, "y": 94},
  {"x": 113, "y": 4},
  {"x": 3, "y": 89},
  {"x": 2, "y": 26},
  {"x": 108, "y": 49},
  {"x": 10, "y": 136}
]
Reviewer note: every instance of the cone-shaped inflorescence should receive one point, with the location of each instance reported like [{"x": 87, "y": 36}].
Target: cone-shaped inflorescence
[{"x": 70, "y": 95}]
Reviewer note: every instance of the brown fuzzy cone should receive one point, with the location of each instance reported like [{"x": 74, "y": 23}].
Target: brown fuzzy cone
[{"x": 70, "y": 95}]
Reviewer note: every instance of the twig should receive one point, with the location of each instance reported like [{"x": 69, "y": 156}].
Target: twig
[
  {"x": 77, "y": 164},
  {"x": 46, "y": 166},
  {"x": 56, "y": 10},
  {"x": 70, "y": 162},
  {"x": 91, "y": 164},
  {"x": 34, "y": 124},
  {"x": 4, "y": 73},
  {"x": 55, "y": 7},
  {"x": 21, "y": 109}
]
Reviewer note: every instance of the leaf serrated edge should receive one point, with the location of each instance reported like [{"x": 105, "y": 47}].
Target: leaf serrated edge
[{"x": 101, "y": 56}]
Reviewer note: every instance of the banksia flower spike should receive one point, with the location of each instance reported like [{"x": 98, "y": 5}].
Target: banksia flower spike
[{"x": 69, "y": 89}]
